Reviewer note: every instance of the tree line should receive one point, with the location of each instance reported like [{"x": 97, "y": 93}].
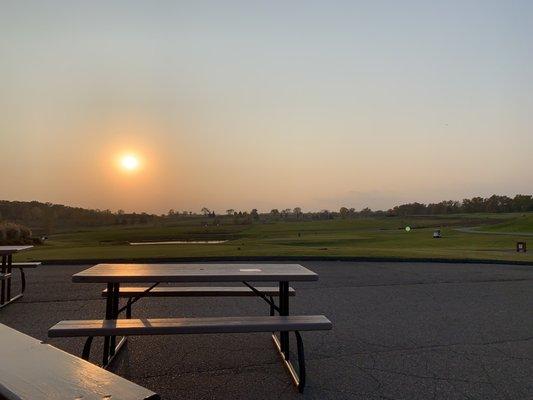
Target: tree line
[
  {"x": 492, "y": 204},
  {"x": 46, "y": 218}
]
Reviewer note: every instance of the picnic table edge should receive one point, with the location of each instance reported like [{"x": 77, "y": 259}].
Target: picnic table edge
[
  {"x": 76, "y": 278},
  {"x": 16, "y": 249},
  {"x": 87, "y": 276}
]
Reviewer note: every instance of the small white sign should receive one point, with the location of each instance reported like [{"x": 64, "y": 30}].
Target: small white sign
[{"x": 250, "y": 270}]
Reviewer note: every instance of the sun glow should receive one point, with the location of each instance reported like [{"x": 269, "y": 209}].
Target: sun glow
[{"x": 129, "y": 162}]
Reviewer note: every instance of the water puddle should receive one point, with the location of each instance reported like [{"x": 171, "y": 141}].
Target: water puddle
[{"x": 179, "y": 242}]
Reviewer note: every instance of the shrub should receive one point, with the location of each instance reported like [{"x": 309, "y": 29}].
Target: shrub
[{"x": 12, "y": 234}]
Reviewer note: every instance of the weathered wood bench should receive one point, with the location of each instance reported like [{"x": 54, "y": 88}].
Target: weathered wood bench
[
  {"x": 193, "y": 291},
  {"x": 31, "y": 264},
  {"x": 170, "y": 326},
  {"x": 32, "y": 370},
  {"x": 133, "y": 293}
]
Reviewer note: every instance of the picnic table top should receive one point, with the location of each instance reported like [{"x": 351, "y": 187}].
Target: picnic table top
[
  {"x": 4, "y": 250},
  {"x": 128, "y": 273},
  {"x": 31, "y": 369}
]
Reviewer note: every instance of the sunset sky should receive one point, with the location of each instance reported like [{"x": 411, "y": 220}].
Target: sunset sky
[{"x": 264, "y": 105}]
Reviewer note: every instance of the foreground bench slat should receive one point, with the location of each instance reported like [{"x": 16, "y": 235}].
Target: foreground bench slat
[
  {"x": 31, "y": 370},
  {"x": 191, "y": 291},
  {"x": 168, "y": 326}
]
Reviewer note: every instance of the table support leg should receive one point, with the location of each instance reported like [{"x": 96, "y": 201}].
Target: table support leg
[
  {"x": 284, "y": 311},
  {"x": 113, "y": 341},
  {"x": 3, "y": 283},
  {"x": 298, "y": 378},
  {"x": 8, "y": 280},
  {"x": 6, "y": 269},
  {"x": 108, "y": 315},
  {"x": 22, "y": 280},
  {"x": 111, "y": 347}
]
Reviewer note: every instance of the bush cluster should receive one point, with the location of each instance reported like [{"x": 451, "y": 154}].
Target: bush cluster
[{"x": 14, "y": 234}]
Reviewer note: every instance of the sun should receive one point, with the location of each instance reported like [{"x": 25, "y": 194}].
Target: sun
[{"x": 129, "y": 162}]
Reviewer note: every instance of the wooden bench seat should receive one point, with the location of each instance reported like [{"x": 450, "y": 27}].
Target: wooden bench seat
[
  {"x": 133, "y": 293},
  {"x": 32, "y": 264},
  {"x": 191, "y": 291},
  {"x": 169, "y": 326},
  {"x": 32, "y": 370}
]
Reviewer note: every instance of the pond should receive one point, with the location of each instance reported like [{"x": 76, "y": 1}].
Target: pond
[{"x": 179, "y": 242}]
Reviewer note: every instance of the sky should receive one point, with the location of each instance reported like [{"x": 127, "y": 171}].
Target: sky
[{"x": 271, "y": 104}]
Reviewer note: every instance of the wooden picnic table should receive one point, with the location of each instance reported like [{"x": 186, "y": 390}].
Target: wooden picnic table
[
  {"x": 5, "y": 273},
  {"x": 115, "y": 274}
]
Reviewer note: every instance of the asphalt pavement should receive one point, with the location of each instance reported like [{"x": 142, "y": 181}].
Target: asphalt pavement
[{"x": 400, "y": 331}]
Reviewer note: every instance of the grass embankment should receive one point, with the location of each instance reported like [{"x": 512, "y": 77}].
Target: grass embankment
[
  {"x": 522, "y": 224},
  {"x": 365, "y": 237}
]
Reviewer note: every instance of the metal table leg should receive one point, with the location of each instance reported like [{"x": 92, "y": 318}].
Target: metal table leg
[
  {"x": 282, "y": 345},
  {"x": 8, "y": 280},
  {"x": 3, "y": 283},
  {"x": 108, "y": 315},
  {"x": 112, "y": 312},
  {"x": 113, "y": 341}
]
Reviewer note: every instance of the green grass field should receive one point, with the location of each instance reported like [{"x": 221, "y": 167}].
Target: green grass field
[{"x": 364, "y": 237}]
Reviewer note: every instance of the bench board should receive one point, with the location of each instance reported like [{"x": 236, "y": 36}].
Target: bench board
[
  {"x": 169, "y": 326},
  {"x": 190, "y": 291},
  {"x": 31, "y": 370},
  {"x": 34, "y": 264}
]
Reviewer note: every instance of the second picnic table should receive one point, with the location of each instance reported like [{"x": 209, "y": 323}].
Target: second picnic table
[{"x": 6, "y": 252}]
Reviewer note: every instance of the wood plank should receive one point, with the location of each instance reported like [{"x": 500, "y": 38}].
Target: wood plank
[
  {"x": 144, "y": 273},
  {"x": 31, "y": 370},
  {"x": 12, "y": 249},
  {"x": 194, "y": 291},
  {"x": 33, "y": 264},
  {"x": 169, "y": 326}
]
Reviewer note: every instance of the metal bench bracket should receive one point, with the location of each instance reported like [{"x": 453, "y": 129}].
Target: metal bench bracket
[{"x": 269, "y": 301}]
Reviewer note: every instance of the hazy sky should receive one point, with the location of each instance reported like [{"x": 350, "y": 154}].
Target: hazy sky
[{"x": 270, "y": 104}]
